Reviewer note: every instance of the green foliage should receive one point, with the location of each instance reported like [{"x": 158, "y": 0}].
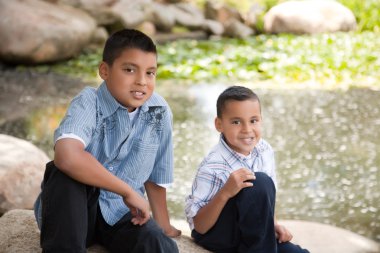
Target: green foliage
[
  {"x": 349, "y": 58},
  {"x": 85, "y": 66},
  {"x": 367, "y": 13},
  {"x": 338, "y": 58}
]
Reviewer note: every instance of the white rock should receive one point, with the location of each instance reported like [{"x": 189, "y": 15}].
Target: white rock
[
  {"x": 309, "y": 17},
  {"x": 22, "y": 166}
]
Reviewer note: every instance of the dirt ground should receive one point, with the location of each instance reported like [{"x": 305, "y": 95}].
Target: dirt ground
[{"x": 22, "y": 90}]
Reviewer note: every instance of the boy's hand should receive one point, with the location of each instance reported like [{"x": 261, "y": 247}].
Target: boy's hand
[
  {"x": 282, "y": 233},
  {"x": 172, "y": 232},
  {"x": 139, "y": 208},
  {"x": 238, "y": 180}
]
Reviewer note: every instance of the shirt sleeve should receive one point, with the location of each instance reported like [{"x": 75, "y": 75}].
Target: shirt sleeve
[
  {"x": 270, "y": 164},
  {"x": 80, "y": 118},
  {"x": 206, "y": 184},
  {"x": 162, "y": 173}
]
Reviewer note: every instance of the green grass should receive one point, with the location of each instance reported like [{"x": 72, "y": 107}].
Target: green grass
[{"x": 351, "y": 59}]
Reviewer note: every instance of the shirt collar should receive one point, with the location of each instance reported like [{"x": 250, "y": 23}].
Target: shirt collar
[
  {"x": 106, "y": 101},
  {"x": 227, "y": 152},
  {"x": 109, "y": 104}
]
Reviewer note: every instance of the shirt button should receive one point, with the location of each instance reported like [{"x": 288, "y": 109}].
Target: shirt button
[{"x": 111, "y": 168}]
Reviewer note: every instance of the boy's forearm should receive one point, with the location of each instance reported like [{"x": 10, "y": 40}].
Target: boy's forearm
[
  {"x": 157, "y": 200},
  {"x": 209, "y": 214},
  {"x": 71, "y": 158}
]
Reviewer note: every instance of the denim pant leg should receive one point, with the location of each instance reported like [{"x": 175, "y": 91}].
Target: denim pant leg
[
  {"x": 224, "y": 236},
  {"x": 68, "y": 212},
  {"x": 246, "y": 223},
  {"x": 126, "y": 237},
  {"x": 288, "y": 247},
  {"x": 256, "y": 206}
]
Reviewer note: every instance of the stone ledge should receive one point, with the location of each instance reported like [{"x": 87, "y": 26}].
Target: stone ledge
[{"x": 19, "y": 234}]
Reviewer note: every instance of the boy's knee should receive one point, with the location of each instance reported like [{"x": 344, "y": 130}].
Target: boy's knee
[
  {"x": 262, "y": 186},
  {"x": 157, "y": 239}
]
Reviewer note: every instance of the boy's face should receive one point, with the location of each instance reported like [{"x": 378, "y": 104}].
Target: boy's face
[
  {"x": 131, "y": 78},
  {"x": 240, "y": 124}
]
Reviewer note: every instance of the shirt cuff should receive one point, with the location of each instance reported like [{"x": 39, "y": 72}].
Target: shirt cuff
[
  {"x": 166, "y": 186},
  {"x": 71, "y": 136}
]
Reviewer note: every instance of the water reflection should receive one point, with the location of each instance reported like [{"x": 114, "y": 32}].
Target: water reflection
[{"x": 326, "y": 146}]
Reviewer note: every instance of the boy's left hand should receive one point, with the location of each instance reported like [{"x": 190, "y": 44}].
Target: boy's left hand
[
  {"x": 172, "y": 232},
  {"x": 282, "y": 233}
]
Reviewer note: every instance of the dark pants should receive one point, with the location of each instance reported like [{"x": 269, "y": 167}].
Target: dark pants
[
  {"x": 72, "y": 221},
  {"x": 246, "y": 223}
]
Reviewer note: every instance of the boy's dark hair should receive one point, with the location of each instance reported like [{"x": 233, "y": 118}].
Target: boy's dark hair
[
  {"x": 238, "y": 93},
  {"x": 126, "y": 39}
]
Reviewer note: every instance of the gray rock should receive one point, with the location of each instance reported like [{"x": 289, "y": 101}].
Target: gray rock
[
  {"x": 235, "y": 28},
  {"x": 22, "y": 166},
  {"x": 309, "y": 17},
  {"x": 34, "y": 31},
  {"x": 213, "y": 27},
  {"x": 161, "y": 16},
  {"x": 130, "y": 14},
  {"x": 187, "y": 15}
]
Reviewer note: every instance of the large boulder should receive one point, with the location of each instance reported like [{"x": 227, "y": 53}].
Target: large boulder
[
  {"x": 187, "y": 15},
  {"x": 19, "y": 233},
  {"x": 309, "y": 17},
  {"x": 22, "y": 166},
  {"x": 34, "y": 31}
]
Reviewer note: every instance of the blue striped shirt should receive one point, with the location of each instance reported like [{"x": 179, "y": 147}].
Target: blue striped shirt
[
  {"x": 216, "y": 168},
  {"x": 136, "y": 153}
]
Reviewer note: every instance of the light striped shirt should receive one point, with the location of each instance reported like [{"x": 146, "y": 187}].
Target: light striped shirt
[
  {"x": 216, "y": 168},
  {"x": 136, "y": 153}
]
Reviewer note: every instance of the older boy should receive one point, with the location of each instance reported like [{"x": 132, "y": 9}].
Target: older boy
[
  {"x": 231, "y": 207},
  {"x": 114, "y": 143}
]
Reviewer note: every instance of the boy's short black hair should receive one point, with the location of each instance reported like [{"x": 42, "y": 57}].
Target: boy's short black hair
[
  {"x": 126, "y": 39},
  {"x": 239, "y": 93}
]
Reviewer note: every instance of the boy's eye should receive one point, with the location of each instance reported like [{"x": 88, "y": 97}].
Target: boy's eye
[
  {"x": 235, "y": 122},
  {"x": 151, "y": 73},
  {"x": 253, "y": 121},
  {"x": 129, "y": 70}
]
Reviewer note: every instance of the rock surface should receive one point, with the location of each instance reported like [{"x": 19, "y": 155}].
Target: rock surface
[
  {"x": 19, "y": 234},
  {"x": 309, "y": 17},
  {"x": 21, "y": 170},
  {"x": 34, "y": 31}
]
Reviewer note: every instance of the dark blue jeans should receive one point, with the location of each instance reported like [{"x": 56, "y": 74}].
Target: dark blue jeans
[
  {"x": 72, "y": 221},
  {"x": 246, "y": 223}
]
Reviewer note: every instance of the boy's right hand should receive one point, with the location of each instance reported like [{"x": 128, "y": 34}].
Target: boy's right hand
[
  {"x": 238, "y": 180},
  {"x": 139, "y": 208}
]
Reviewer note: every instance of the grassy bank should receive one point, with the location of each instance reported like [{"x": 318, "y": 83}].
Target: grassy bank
[{"x": 334, "y": 60}]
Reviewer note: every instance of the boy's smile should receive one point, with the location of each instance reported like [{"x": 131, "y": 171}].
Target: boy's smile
[
  {"x": 240, "y": 124},
  {"x": 131, "y": 78}
]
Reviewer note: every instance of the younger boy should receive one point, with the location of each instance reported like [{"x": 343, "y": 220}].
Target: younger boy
[
  {"x": 231, "y": 207},
  {"x": 114, "y": 144}
]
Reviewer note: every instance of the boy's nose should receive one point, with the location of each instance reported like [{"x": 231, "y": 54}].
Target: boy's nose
[
  {"x": 246, "y": 128},
  {"x": 142, "y": 83},
  {"x": 141, "y": 80}
]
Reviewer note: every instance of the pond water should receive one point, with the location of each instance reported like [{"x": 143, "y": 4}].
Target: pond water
[{"x": 326, "y": 142}]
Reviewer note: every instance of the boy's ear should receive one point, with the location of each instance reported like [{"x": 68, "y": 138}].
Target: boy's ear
[
  {"x": 103, "y": 70},
  {"x": 218, "y": 124}
]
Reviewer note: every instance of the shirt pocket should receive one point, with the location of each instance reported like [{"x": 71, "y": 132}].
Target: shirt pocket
[{"x": 140, "y": 162}]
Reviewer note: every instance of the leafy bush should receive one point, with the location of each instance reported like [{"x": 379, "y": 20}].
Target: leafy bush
[
  {"x": 367, "y": 13},
  {"x": 350, "y": 58}
]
